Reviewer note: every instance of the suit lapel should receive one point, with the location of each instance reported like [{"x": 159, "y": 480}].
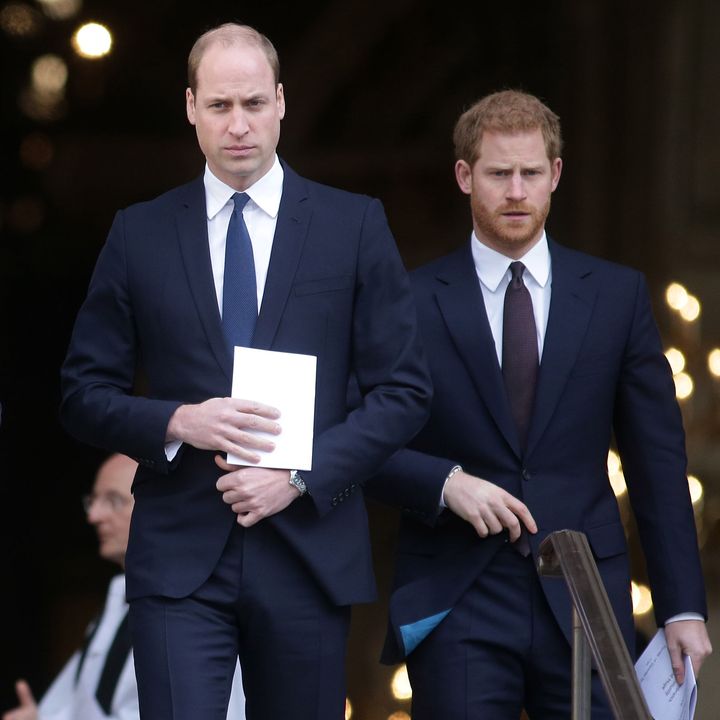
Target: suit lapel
[
  {"x": 290, "y": 231},
  {"x": 191, "y": 221},
  {"x": 571, "y": 305},
  {"x": 463, "y": 309}
]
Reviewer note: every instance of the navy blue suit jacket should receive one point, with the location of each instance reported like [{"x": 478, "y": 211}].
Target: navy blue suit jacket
[
  {"x": 335, "y": 288},
  {"x": 602, "y": 371}
]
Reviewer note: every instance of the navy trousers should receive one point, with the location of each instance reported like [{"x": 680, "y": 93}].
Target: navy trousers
[
  {"x": 498, "y": 651},
  {"x": 259, "y": 604}
]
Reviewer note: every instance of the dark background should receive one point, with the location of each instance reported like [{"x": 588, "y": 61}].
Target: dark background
[{"x": 372, "y": 90}]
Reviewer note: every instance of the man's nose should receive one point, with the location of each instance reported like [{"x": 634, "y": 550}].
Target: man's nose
[
  {"x": 516, "y": 187},
  {"x": 238, "y": 122}
]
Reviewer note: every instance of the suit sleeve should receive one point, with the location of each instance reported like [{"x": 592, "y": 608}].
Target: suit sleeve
[
  {"x": 388, "y": 364},
  {"x": 651, "y": 441},
  {"x": 98, "y": 405}
]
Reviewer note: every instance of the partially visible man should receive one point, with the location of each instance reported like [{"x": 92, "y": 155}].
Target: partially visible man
[
  {"x": 226, "y": 560},
  {"x": 98, "y": 682},
  {"x": 538, "y": 354}
]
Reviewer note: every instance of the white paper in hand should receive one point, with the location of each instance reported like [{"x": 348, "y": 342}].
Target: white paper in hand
[
  {"x": 285, "y": 381},
  {"x": 665, "y": 699}
]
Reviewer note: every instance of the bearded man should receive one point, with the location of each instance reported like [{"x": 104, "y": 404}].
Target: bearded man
[{"x": 538, "y": 354}]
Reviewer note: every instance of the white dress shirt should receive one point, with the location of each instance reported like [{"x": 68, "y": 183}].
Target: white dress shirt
[
  {"x": 68, "y": 699},
  {"x": 493, "y": 271},
  {"x": 260, "y": 216}
]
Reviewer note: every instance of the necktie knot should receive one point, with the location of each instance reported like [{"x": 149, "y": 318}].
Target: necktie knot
[
  {"x": 240, "y": 200},
  {"x": 516, "y": 269}
]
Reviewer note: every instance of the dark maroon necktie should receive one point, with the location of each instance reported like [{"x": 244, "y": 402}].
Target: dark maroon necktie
[{"x": 520, "y": 351}]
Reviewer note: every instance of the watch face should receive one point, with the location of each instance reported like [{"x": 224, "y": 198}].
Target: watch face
[{"x": 297, "y": 481}]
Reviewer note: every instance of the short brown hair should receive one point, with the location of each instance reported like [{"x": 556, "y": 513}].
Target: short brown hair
[
  {"x": 228, "y": 35},
  {"x": 508, "y": 111}
]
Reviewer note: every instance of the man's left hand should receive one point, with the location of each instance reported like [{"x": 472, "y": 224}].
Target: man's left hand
[
  {"x": 687, "y": 637},
  {"x": 255, "y": 493}
]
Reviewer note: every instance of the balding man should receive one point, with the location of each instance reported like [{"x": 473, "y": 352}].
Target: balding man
[{"x": 98, "y": 682}]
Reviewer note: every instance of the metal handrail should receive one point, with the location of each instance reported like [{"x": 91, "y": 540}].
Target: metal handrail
[{"x": 566, "y": 553}]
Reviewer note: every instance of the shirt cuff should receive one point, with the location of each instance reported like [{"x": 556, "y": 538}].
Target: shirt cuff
[
  {"x": 171, "y": 449},
  {"x": 685, "y": 616},
  {"x": 453, "y": 470}
]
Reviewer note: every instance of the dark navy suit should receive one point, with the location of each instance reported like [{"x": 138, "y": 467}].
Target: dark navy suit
[
  {"x": 335, "y": 289},
  {"x": 602, "y": 371}
]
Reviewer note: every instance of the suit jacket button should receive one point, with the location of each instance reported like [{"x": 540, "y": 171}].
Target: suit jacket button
[{"x": 526, "y": 474}]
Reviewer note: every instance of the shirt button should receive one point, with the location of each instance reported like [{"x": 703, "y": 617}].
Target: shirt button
[{"x": 526, "y": 474}]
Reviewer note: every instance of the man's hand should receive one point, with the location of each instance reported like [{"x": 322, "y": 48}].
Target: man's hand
[
  {"x": 27, "y": 709},
  {"x": 487, "y": 507},
  {"x": 222, "y": 423},
  {"x": 255, "y": 493},
  {"x": 687, "y": 637}
]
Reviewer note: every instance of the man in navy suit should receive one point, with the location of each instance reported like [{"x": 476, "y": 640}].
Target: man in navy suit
[
  {"x": 226, "y": 560},
  {"x": 538, "y": 354}
]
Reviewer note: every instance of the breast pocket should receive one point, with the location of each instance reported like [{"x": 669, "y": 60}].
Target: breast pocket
[{"x": 323, "y": 285}]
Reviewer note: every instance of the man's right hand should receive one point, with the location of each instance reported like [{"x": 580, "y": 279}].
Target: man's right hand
[
  {"x": 487, "y": 507},
  {"x": 27, "y": 709},
  {"x": 222, "y": 424}
]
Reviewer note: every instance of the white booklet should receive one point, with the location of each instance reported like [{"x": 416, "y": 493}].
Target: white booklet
[
  {"x": 285, "y": 381},
  {"x": 665, "y": 699}
]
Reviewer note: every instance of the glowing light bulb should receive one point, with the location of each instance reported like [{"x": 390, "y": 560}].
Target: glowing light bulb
[
  {"x": 613, "y": 462},
  {"x": 400, "y": 684},
  {"x": 690, "y": 311},
  {"x": 676, "y": 296},
  {"x": 641, "y": 599},
  {"x": 714, "y": 362},
  {"x": 92, "y": 41},
  {"x": 696, "y": 489},
  {"x": 684, "y": 386},
  {"x": 676, "y": 360}
]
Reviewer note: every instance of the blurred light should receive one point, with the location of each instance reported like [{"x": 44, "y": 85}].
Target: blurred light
[
  {"x": 26, "y": 214},
  {"x": 617, "y": 481},
  {"x": 641, "y": 599},
  {"x": 696, "y": 489},
  {"x": 19, "y": 20},
  {"x": 399, "y": 715},
  {"x": 348, "y": 709},
  {"x": 60, "y": 9},
  {"x": 49, "y": 75},
  {"x": 42, "y": 107},
  {"x": 683, "y": 386},
  {"x": 400, "y": 684},
  {"x": 690, "y": 311},
  {"x": 676, "y": 360},
  {"x": 613, "y": 462},
  {"x": 676, "y": 296},
  {"x": 714, "y": 362},
  {"x": 92, "y": 41},
  {"x": 36, "y": 151}
]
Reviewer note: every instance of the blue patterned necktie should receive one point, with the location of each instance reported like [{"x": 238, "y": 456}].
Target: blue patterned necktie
[
  {"x": 239, "y": 311},
  {"x": 520, "y": 351}
]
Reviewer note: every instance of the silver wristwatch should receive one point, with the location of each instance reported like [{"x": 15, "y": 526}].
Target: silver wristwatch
[{"x": 297, "y": 482}]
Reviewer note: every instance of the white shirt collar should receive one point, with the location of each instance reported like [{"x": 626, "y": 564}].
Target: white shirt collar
[
  {"x": 266, "y": 192},
  {"x": 491, "y": 266}
]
